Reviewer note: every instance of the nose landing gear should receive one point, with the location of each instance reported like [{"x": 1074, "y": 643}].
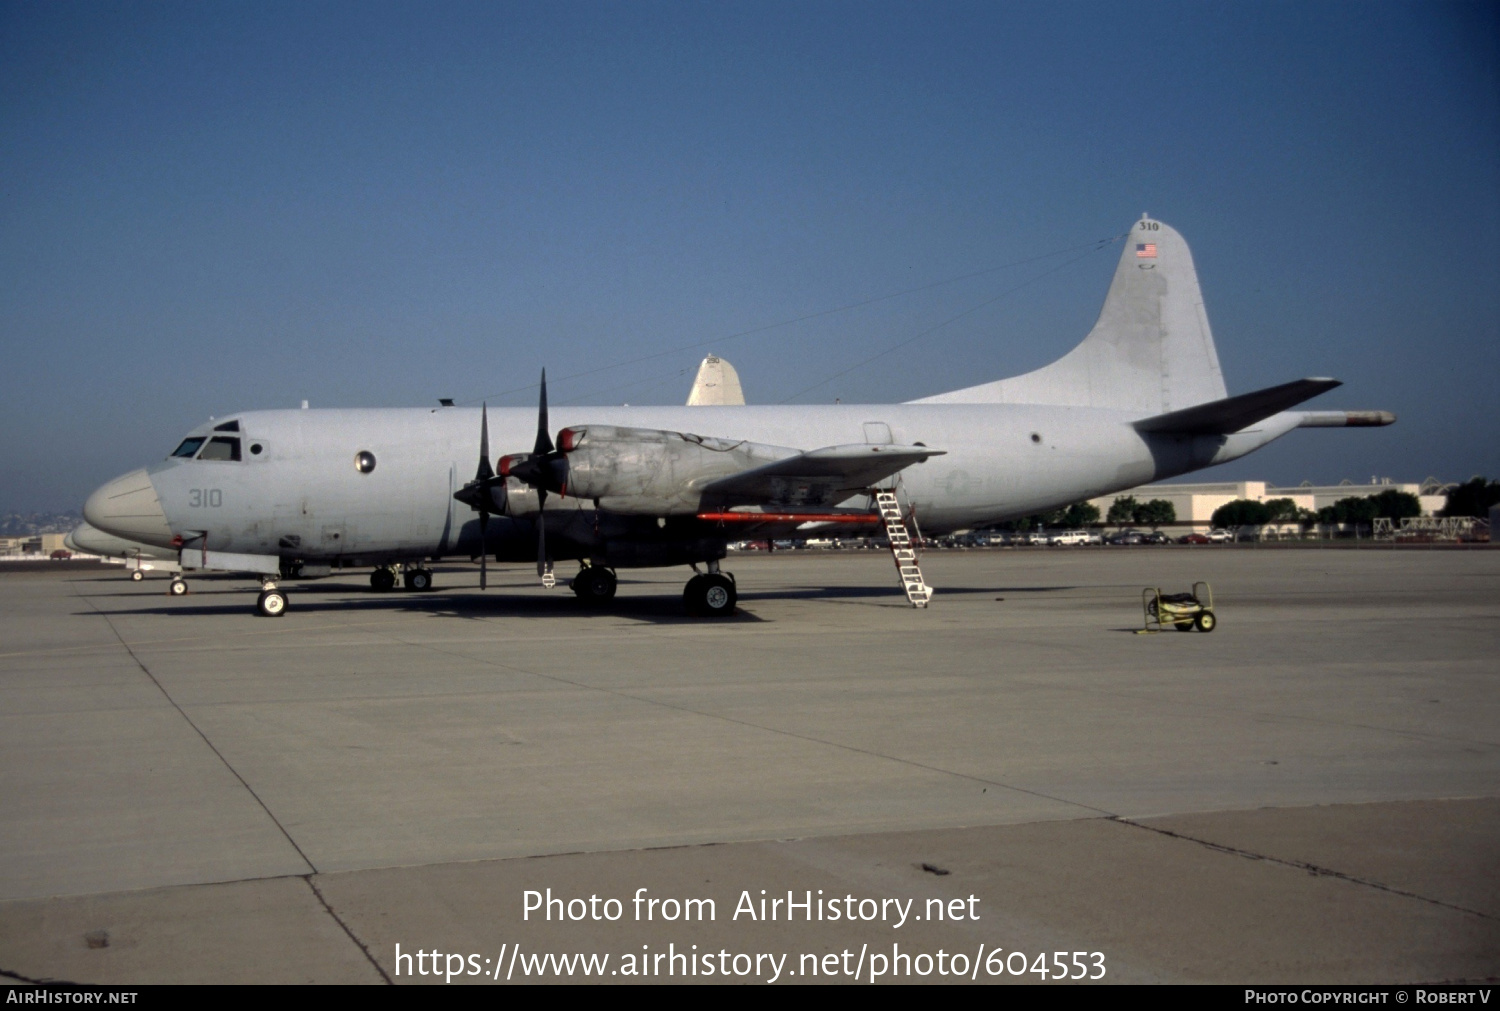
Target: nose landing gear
[{"x": 272, "y": 602}]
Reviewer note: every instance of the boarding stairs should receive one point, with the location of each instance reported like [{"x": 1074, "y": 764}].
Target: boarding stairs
[{"x": 903, "y": 549}]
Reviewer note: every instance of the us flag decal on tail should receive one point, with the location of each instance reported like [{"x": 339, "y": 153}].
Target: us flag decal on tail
[{"x": 1145, "y": 250}]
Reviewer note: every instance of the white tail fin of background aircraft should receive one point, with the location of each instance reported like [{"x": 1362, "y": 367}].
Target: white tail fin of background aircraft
[
  {"x": 717, "y": 385},
  {"x": 1151, "y": 351}
]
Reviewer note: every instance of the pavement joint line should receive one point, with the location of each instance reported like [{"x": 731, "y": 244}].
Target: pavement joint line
[
  {"x": 352, "y": 936},
  {"x": 1269, "y": 717},
  {"x": 765, "y": 729},
  {"x": 196, "y": 729},
  {"x": 1301, "y": 865}
]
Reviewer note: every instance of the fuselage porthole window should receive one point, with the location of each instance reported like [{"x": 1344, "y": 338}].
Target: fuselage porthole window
[
  {"x": 221, "y": 447},
  {"x": 255, "y": 448},
  {"x": 189, "y": 446},
  {"x": 364, "y": 461}
]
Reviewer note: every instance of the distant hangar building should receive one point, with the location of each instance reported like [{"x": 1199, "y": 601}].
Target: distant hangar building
[{"x": 1195, "y": 503}]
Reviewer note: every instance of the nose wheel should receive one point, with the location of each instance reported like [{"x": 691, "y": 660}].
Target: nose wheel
[
  {"x": 137, "y": 575},
  {"x": 710, "y": 595},
  {"x": 272, "y": 601},
  {"x": 178, "y": 587}
]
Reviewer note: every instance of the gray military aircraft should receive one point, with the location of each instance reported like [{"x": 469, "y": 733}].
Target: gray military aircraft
[{"x": 298, "y": 492}]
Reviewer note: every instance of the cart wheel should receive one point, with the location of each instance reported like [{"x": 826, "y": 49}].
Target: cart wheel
[
  {"x": 1184, "y": 626},
  {"x": 1206, "y": 621}
]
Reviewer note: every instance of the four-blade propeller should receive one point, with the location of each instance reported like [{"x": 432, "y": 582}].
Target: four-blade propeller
[
  {"x": 478, "y": 494},
  {"x": 545, "y": 468}
]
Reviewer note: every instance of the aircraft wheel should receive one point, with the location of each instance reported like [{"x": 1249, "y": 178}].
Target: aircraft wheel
[
  {"x": 710, "y": 596},
  {"x": 271, "y": 604},
  {"x": 178, "y": 588},
  {"x": 1206, "y": 621},
  {"x": 595, "y": 585},
  {"x": 418, "y": 580},
  {"x": 382, "y": 580},
  {"x": 137, "y": 576}
]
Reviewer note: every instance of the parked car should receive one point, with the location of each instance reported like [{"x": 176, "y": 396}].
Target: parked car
[
  {"x": 1193, "y": 538},
  {"x": 1218, "y": 536},
  {"x": 1069, "y": 537},
  {"x": 61, "y": 555},
  {"x": 1095, "y": 537},
  {"x": 1127, "y": 537},
  {"x": 1156, "y": 537}
]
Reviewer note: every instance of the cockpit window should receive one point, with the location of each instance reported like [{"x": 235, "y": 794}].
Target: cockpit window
[
  {"x": 189, "y": 446},
  {"x": 228, "y": 426},
  {"x": 221, "y": 447}
]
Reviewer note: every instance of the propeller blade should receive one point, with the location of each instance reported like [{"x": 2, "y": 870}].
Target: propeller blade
[
  {"x": 485, "y": 471},
  {"x": 543, "y": 440}
]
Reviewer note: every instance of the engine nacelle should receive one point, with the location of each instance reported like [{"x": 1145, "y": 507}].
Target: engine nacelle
[{"x": 646, "y": 471}]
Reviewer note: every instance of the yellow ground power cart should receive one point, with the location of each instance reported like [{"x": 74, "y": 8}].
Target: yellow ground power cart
[{"x": 1183, "y": 611}]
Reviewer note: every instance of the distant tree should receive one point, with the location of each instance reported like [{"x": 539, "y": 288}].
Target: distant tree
[
  {"x": 1281, "y": 510},
  {"x": 1397, "y": 505},
  {"x": 1472, "y": 498},
  {"x": 1156, "y": 512},
  {"x": 1242, "y": 512},
  {"x": 1122, "y": 510},
  {"x": 1079, "y": 514},
  {"x": 1363, "y": 510},
  {"x": 1348, "y": 510}
]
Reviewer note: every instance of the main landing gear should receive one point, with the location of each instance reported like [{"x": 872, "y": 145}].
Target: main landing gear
[
  {"x": 416, "y": 579},
  {"x": 710, "y": 594},
  {"x": 595, "y": 584}
]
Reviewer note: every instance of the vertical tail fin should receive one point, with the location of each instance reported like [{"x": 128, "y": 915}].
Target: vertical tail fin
[{"x": 1151, "y": 351}]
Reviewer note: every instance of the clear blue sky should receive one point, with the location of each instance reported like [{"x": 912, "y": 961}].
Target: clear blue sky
[{"x": 213, "y": 207}]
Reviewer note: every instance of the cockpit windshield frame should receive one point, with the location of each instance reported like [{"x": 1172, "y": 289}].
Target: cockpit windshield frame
[
  {"x": 221, "y": 448},
  {"x": 189, "y": 447}
]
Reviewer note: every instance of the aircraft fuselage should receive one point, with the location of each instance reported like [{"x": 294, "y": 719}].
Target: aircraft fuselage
[{"x": 301, "y": 495}]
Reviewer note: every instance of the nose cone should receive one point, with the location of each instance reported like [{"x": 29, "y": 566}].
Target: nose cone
[{"x": 127, "y": 507}]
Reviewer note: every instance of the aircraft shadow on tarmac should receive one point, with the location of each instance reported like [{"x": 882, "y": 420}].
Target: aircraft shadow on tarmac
[
  {"x": 662, "y": 608},
  {"x": 665, "y": 609}
]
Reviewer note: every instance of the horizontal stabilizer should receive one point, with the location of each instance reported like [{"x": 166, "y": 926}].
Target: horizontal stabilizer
[
  {"x": 1222, "y": 417},
  {"x": 818, "y": 477}
]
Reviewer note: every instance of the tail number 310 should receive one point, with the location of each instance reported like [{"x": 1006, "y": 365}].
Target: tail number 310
[{"x": 199, "y": 498}]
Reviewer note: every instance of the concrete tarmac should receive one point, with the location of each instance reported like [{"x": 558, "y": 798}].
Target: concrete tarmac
[{"x": 1307, "y": 794}]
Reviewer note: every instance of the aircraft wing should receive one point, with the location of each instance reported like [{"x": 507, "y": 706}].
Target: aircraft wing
[
  {"x": 1222, "y": 417},
  {"x": 818, "y": 477}
]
